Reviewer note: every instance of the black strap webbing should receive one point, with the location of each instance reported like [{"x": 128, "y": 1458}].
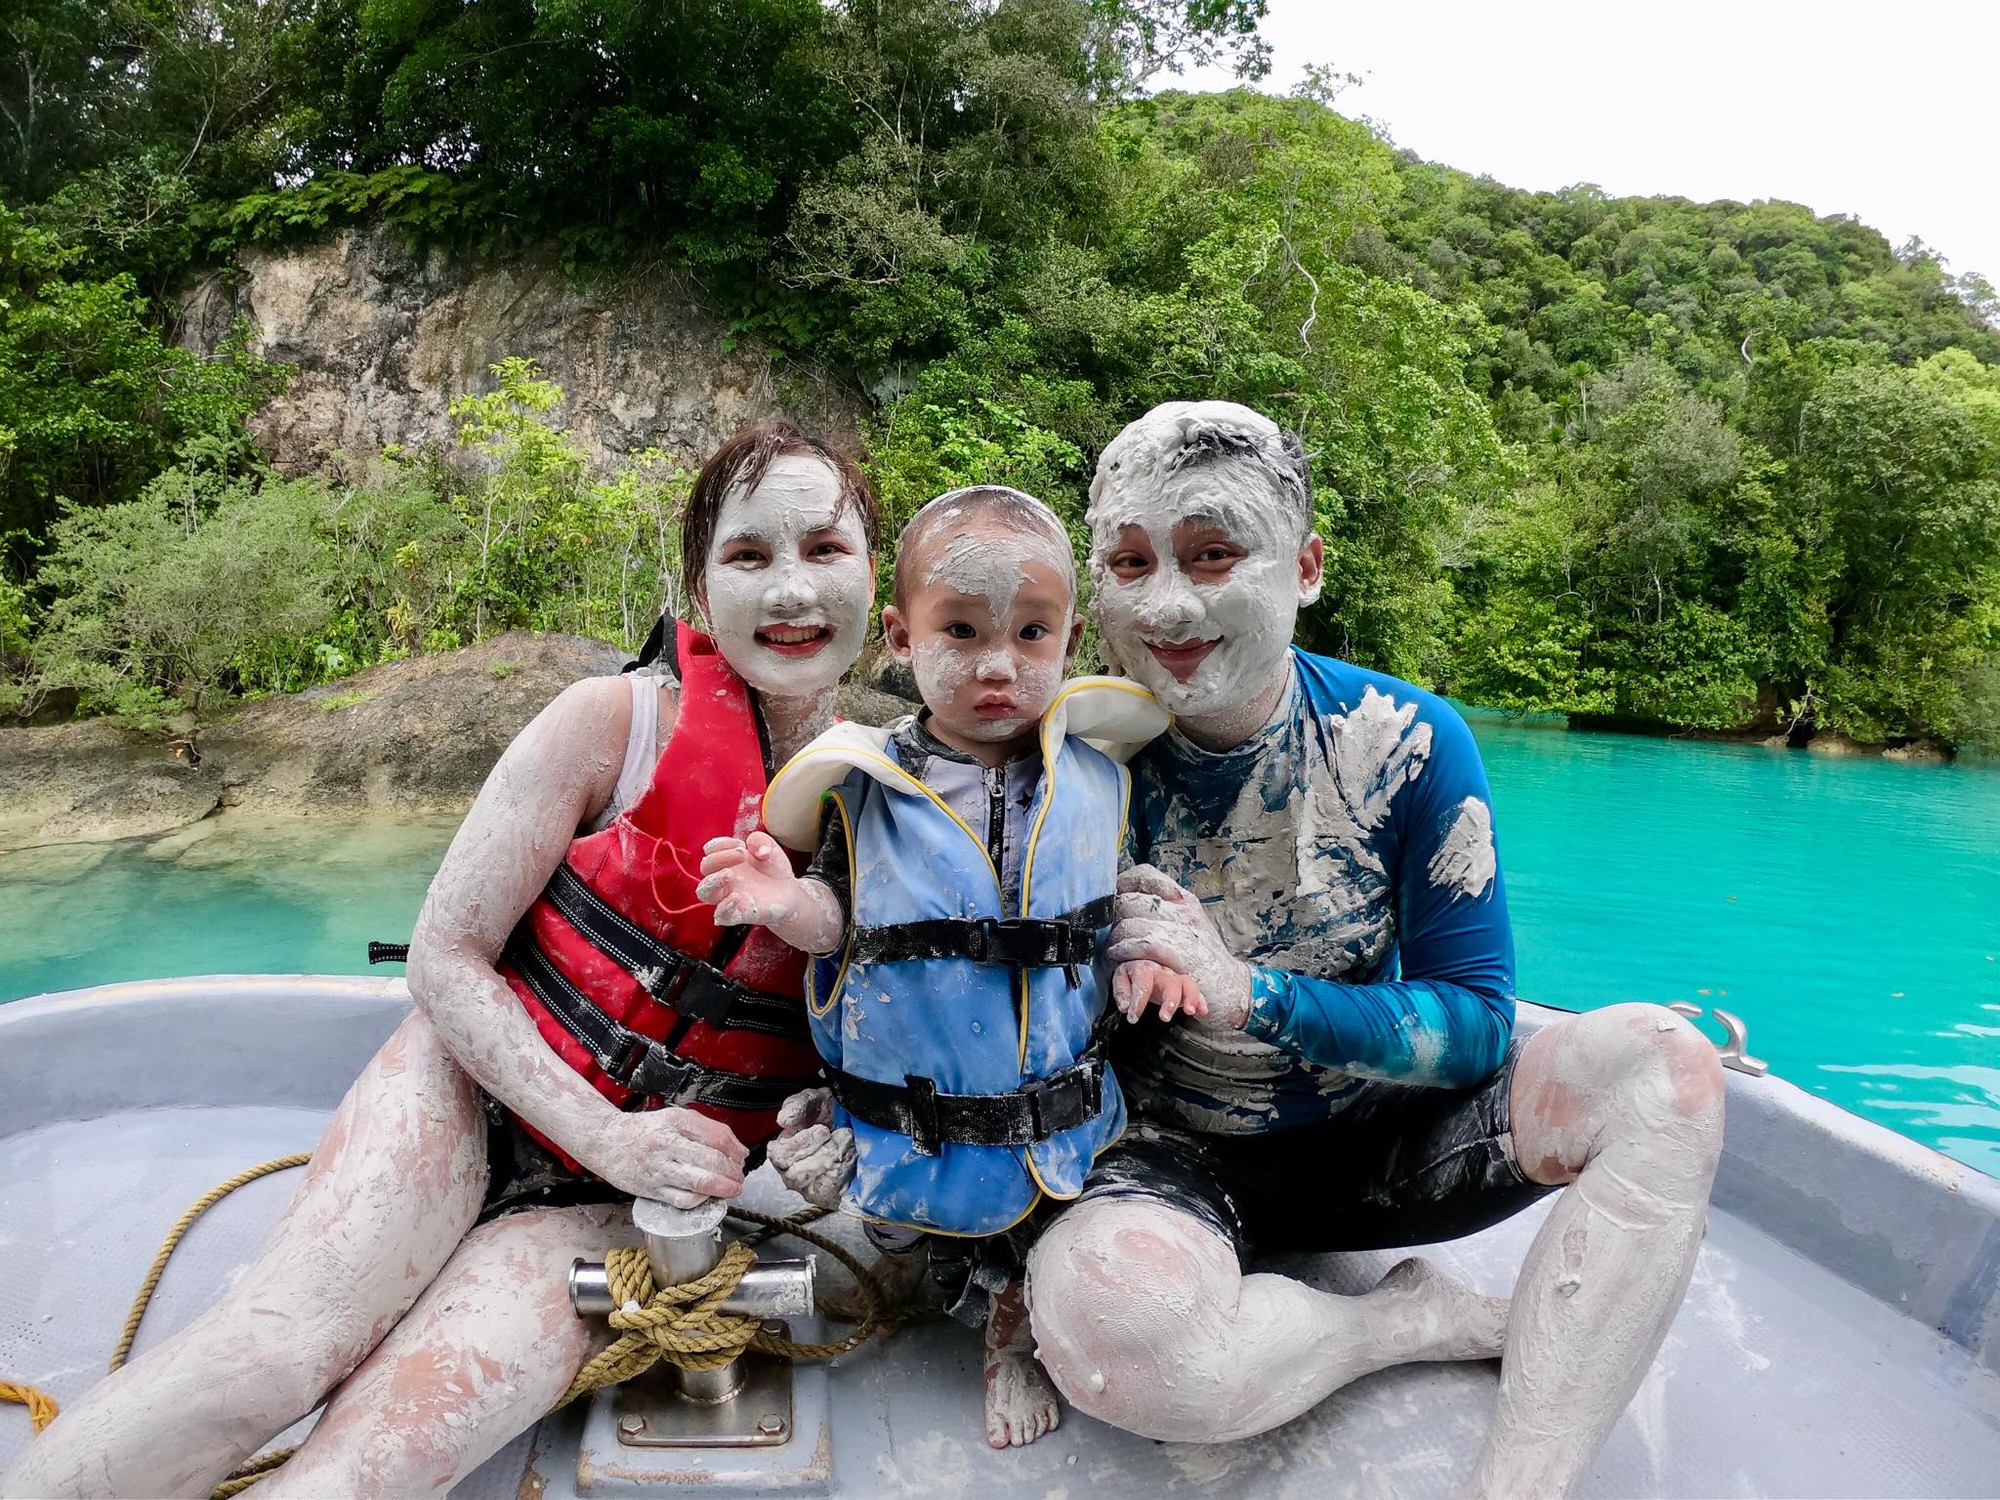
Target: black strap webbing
[
  {"x": 1026, "y": 1117},
  {"x": 691, "y": 987},
  {"x": 388, "y": 953},
  {"x": 636, "y": 1062},
  {"x": 1063, "y": 942}
]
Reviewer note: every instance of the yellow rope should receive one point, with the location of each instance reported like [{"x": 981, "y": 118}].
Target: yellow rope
[
  {"x": 42, "y": 1408},
  {"x": 41, "y": 1405},
  {"x": 684, "y": 1324},
  {"x": 201, "y": 1206}
]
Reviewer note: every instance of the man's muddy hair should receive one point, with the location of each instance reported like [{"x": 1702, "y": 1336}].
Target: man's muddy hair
[
  {"x": 1015, "y": 508},
  {"x": 1286, "y": 467},
  {"x": 743, "y": 460}
]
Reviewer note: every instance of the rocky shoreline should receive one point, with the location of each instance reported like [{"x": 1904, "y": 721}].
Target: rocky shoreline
[{"x": 404, "y": 739}]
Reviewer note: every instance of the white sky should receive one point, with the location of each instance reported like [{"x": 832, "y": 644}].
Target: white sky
[{"x": 1889, "y": 113}]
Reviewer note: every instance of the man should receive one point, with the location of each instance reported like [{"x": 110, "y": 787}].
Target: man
[{"x": 1317, "y": 850}]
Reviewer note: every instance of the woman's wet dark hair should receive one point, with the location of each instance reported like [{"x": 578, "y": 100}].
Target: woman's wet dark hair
[{"x": 742, "y": 461}]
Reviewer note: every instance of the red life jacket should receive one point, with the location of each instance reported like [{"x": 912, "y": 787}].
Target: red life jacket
[{"x": 625, "y": 972}]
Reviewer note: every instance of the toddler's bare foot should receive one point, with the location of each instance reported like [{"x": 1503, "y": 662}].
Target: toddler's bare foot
[{"x": 1021, "y": 1404}]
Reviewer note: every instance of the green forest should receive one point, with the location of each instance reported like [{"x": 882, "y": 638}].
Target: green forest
[{"x": 1712, "y": 466}]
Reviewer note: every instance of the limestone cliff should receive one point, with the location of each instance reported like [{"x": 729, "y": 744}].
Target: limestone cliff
[{"x": 384, "y": 336}]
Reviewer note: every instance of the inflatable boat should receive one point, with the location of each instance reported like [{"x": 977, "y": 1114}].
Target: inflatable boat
[{"x": 1841, "y": 1337}]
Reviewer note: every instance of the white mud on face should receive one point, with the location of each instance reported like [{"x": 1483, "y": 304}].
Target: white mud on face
[
  {"x": 787, "y": 579},
  {"x": 1209, "y": 464}
]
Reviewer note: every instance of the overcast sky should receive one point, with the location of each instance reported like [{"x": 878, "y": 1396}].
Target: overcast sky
[{"x": 1889, "y": 113}]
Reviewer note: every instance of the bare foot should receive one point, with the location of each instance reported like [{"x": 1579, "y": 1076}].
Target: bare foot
[
  {"x": 1449, "y": 1319},
  {"x": 1021, "y": 1404}
]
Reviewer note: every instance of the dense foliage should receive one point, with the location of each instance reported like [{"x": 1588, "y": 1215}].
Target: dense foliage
[{"x": 1713, "y": 465}]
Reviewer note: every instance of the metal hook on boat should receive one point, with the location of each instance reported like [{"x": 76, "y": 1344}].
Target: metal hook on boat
[{"x": 1736, "y": 1039}]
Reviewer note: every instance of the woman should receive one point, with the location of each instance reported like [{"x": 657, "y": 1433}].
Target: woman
[{"x": 418, "y": 1274}]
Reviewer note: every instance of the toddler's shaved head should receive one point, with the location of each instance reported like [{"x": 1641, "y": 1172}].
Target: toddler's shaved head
[{"x": 938, "y": 545}]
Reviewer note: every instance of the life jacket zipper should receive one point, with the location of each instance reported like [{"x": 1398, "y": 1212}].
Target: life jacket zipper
[{"x": 996, "y": 826}]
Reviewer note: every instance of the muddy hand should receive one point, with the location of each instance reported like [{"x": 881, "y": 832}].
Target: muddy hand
[
  {"x": 749, "y": 881},
  {"x": 1140, "y": 982},
  {"x": 674, "y": 1155},
  {"x": 1156, "y": 920},
  {"x": 812, "y": 1158}
]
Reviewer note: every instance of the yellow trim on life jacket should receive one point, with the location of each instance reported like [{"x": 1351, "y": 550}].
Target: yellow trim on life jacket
[{"x": 846, "y": 948}]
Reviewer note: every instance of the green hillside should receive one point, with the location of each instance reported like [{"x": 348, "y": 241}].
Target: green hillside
[{"x": 1706, "y": 465}]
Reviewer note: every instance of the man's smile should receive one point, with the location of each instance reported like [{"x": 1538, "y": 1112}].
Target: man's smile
[{"x": 1182, "y": 657}]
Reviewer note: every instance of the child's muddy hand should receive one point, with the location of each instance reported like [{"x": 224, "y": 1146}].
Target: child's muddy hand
[
  {"x": 1140, "y": 982},
  {"x": 1157, "y": 920},
  {"x": 816, "y": 1162},
  {"x": 674, "y": 1155},
  {"x": 810, "y": 1157},
  {"x": 749, "y": 881},
  {"x": 806, "y": 1107}
]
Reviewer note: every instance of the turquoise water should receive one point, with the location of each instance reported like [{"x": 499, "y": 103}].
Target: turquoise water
[{"x": 1848, "y": 910}]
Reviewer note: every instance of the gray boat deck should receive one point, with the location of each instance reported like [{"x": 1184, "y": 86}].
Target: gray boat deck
[{"x": 1779, "y": 1377}]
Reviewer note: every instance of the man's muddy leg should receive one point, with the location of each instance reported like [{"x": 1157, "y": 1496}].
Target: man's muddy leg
[
  {"x": 1143, "y": 1319},
  {"x": 1624, "y": 1103},
  {"x": 487, "y": 1350},
  {"x": 394, "y": 1184}
]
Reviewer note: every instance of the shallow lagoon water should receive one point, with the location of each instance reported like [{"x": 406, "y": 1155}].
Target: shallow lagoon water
[{"x": 1848, "y": 910}]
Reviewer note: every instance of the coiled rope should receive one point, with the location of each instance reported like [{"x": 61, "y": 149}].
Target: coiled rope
[
  {"x": 682, "y": 1324},
  {"x": 685, "y": 1325}
]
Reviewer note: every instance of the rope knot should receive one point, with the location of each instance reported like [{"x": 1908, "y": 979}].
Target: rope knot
[{"x": 682, "y": 1324}]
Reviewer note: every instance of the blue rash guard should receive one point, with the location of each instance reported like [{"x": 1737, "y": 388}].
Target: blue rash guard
[{"x": 1346, "y": 851}]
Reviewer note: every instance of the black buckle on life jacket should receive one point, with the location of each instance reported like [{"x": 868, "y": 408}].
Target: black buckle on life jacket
[
  {"x": 1027, "y": 1116},
  {"x": 652, "y": 1072},
  {"x": 687, "y": 984},
  {"x": 1063, "y": 942},
  {"x": 926, "y": 1130},
  {"x": 1068, "y": 1099}
]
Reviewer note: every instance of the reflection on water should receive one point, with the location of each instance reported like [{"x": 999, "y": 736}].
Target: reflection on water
[{"x": 1848, "y": 910}]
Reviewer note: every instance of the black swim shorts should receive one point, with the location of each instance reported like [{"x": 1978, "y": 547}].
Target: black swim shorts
[
  {"x": 522, "y": 1173},
  {"x": 1399, "y": 1166}
]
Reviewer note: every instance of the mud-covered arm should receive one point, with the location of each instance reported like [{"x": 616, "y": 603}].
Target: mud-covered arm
[
  {"x": 1445, "y": 1020},
  {"x": 558, "y": 772}
]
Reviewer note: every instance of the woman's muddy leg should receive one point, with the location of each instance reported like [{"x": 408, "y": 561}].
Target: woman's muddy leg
[
  {"x": 487, "y": 1350},
  {"x": 393, "y": 1186},
  {"x": 1143, "y": 1319}
]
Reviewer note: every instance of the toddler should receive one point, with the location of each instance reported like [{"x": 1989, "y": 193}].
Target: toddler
[{"x": 966, "y": 862}]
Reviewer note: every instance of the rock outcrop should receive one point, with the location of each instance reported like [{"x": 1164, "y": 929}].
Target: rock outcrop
[
  {"x": 407, "y": 738},
  {"x": 383, "y": 337}
]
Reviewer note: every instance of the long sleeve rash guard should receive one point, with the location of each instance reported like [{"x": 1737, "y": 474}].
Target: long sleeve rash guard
[{"x": 1346, "y": 851}]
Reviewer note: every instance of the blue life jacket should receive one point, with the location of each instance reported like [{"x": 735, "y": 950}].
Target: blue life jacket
[{"x": 970, "y": 1028}]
